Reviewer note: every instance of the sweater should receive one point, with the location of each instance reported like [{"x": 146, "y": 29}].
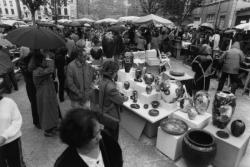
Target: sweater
[{"x": 10, "y": 120}]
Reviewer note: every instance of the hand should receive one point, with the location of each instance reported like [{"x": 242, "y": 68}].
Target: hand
[{"x": 2, "y": 140}]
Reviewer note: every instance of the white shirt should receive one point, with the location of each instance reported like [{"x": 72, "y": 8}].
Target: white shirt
[
  {"x": 91, "y": 162},
  {"x": 216, "y": 39},
  {"x": 10, "y": 120}
]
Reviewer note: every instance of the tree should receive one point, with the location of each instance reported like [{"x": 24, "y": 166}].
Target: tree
[
  {"x": 54, "y": 5},
  {"x": 179, "y": 10},
  {"x": 33, "y": 6},
  {"x": 151, "y": 6}
]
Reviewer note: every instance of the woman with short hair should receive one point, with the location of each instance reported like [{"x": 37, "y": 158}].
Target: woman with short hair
[{"x": 88, "y": 145}]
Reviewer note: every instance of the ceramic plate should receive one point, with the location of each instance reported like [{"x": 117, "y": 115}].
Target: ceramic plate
[
  {"x": 174, "y": 126},
  {"x": 153, "y": 112},
  {"x": 176, "y": 74}
]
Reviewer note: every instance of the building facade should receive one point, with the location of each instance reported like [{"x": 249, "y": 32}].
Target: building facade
[
  {"x": 221, "y": 13},
  {"x": 8, "y": 9}
]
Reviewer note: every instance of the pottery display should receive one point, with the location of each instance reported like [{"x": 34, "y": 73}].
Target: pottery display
[
  {"x": 186, "y": 104},
  {"x": 223, "y": 109},
  {"x": 145, "y": 106},
  {"x": 148, "y": 78},
  {"x": 192, "y": 114},
  {"x": 201, "y": 102},
  {"x": 198, "y": 148},
  {"x": 157, "y": 84},
  {"x": 126, "y": 85},
  {"x": 171, "y": 90},
  {"x": 138, "y": 74},
  {"x": 149, "y": 89},
  {"x": 153, "y": 112},
  {"x": 128, "y": 62},
  {"x": 174, "y": 126},
  {"x": 155, "y": 104},
  {"x": 135, "y": 106},
  {"x": 134, "y": 96},
  {"x": 237, "y": 128}
]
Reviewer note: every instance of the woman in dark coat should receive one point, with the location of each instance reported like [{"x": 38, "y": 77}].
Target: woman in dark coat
[
  {"x": 47, "y": 104},
  {"x": 88, "y": 144}
]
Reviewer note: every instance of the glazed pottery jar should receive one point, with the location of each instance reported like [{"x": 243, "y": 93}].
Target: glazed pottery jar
[
  {"x": 128, "y": 62},
  {"x": 138, "y": 74},
  {"x": 223, "y": 109},
  {"x": 134, "y": 96},
  {"x": 201, "y": 102},
  {"x": 148, "y": 78},
  {"x": 157, "y": 84},
  {"x": 192, "y": 114},
  {"x": 149, "y": 89},
  {"x": 126, "y": 85},
  {"x": 171, "y": 90},
  {"x": 237, "y": 128},
  {"x": 198, "y": 148}
]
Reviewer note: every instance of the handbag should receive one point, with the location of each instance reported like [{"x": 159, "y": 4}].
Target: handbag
[{"x": 104, "y": 118}]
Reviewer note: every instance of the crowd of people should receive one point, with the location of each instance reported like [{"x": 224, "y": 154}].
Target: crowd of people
[{"x": 76, "y": 69}]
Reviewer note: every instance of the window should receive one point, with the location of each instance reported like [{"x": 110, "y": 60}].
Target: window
[
  {"x": 210, "y": 18},
  {"x": 65, "y": 3},
  {"x": 11, "y": 3},
  {"x": 59, "y": 11},
  {"x": 65, "y": 11},
  {"x": 12, "y": 11},
  {"x": 1, "y": 12},
  {"x": 222, "y": 21},
  {"x": 6, "y": 11},
  {"x": 4, "y": 3}
]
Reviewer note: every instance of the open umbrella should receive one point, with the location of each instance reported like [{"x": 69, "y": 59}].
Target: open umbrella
[
  {"x": 35, "y": 38},
  {"x": 85, "y": 20},
  {"x": 128, "y": 18},
  {"x": 107, "y": 20},
  {"x": 207, "y": 25},
  {"x": 149, "y": 19},
  {"x": 244, "y": 26}
]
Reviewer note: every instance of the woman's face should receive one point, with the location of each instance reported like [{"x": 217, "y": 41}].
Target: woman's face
[{"x": 97, "y": 134}]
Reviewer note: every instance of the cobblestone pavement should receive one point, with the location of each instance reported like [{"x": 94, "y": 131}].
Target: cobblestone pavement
[{"x": 40, "y": 151}]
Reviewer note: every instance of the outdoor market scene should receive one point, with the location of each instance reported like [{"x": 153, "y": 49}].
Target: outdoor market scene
[{"x": 128, "y": 83}]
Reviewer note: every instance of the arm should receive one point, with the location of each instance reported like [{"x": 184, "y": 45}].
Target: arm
[{"x": 16, "y": 122}]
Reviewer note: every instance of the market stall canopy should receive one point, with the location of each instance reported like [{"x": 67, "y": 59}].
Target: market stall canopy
[
  {"x": 5, "y": 43},
  {"x": 128, "y": 18},
  {"x": 15, "y": 23},
  {"x": 85, "y": 20},
  {"x": 245, "y": 26},
  {"x": 207, "y": 25},
  {"x": 35, "y": 37},
  {"x": 63, "y": 21},
  {"x": 193, "y": 25},
  {"x": 107, "y": 20},
  {"x": 153, "y": 19}
]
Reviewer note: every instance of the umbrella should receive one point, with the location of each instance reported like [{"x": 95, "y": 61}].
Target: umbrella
[
  {"x": 5, "y": 43},
  {"x": 63, "y": 21},
  {"x": 207, "y": 25},
  {"x": 128, "y": 19},
  {"x": 85, "y": 20},
  {"x": 35, "y": 38},
  {"x": 3, "y": 25},
  {"x": 244, "y": 26},
  {"x": 15, "y": 23},
  {"x": 107, "y": 20},
  {"x": 87, "y": 25},
  {"x": 153, "y": 19}
]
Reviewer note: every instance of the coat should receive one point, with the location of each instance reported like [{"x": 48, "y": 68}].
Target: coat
[
  {"x": 232, "y": 59},
  {"x": 110, "y": 149},
  {"x": 47, "y": 104},
  {"x": 78, "y": 81}
]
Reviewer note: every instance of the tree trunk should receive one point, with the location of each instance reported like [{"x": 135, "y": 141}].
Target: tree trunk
[{"x": 33, "y": 18}]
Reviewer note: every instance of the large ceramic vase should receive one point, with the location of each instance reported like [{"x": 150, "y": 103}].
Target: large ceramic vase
[
  {"x": 201, "y": 102},
  {"x": 237, "y": 128},
  {"x": 223, "y": 109},
  {"x": 171, "y": 90},
  {"x": 198, "y": 148},
  {"x": 138, "y": 74},
  {"x": 148, "y": 78},
  {"x": 128, "y": 62}
]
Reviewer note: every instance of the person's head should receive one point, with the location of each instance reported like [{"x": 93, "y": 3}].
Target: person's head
[
  {"x": 96, "y": 40},
  {"x": 205, "y": 49},
  {"x": 80, "y": 129},
  {"x": 38, "y": 58},
  {"x": 81, "y": 55},
  {"x": 236, "y": 45},
  {"x": 110, "y": 69}
]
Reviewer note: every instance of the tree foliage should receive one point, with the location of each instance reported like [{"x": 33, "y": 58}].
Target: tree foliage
[
  {"x": 180, "y": 9},
  {"x": 34, "y": 5},
  {"x": 151, "y": 6}
]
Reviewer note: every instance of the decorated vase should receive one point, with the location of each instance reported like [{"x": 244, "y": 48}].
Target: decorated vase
[
  {"x": 237, "y": 128},
  {"x": 223, "y": 108},
  {"x": 201, "y": 102},
  {"x": 128, "y": 62},
  {"x": 192, "y": 113},
  {"x": 148, "y": 78},
  {"x": 171, "y": 90},
  {"x": 134, "y": 96},
  {"x": 198, "y": 148},
  {"x": 138, "y": 74},
  {"x": 149, "y": 89},
  {"x": 126, "y": 85}
]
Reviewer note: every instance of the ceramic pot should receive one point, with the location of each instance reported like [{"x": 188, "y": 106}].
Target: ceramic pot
[
  {"x": 223, "y": 108},
  {"x": 237, "y": 128},
  {"x": 126, "y": 85},
  {"x": 134, "y": 96},
  {"x": 157, "y": 84},
  {"x": 128, "y": 62},
  {"x": 155, "y": 104},
  {"x": 201, "y": 102},
  {"x": 192, "y": 114},
  {"x": 198, "y": 148},
  {"x": 149, "y": 89},
  {"x": 138, "y": 74},
  {"x": 171, "y": 90},
  {"x": 148, "y": 78}
]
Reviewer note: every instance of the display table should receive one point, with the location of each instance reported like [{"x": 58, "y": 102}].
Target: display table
[
  {"x": 199, "y": 122},
  {"x": 229, "y": 151},
  {"x": 247, "y": 79},
  {"x": 135, "y": 120}
]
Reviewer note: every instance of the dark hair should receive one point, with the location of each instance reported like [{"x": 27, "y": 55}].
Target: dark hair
[
  {"x": 95, "y": 40},
  {"x": 109, "y": 68},
  {"x": 77, "y": 128},
  {"x": 38, "y": 58}
]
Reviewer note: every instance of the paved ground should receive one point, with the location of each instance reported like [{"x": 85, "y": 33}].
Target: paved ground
[{"x": 40, "y": 151}]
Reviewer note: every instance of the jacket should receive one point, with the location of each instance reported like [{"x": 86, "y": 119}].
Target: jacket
[
  {"x": 111, "y": 97},
  {"x": 232, "y": 59},
  {"x": 111, "y": 153},
  {"x": 78, "y": 81}
]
